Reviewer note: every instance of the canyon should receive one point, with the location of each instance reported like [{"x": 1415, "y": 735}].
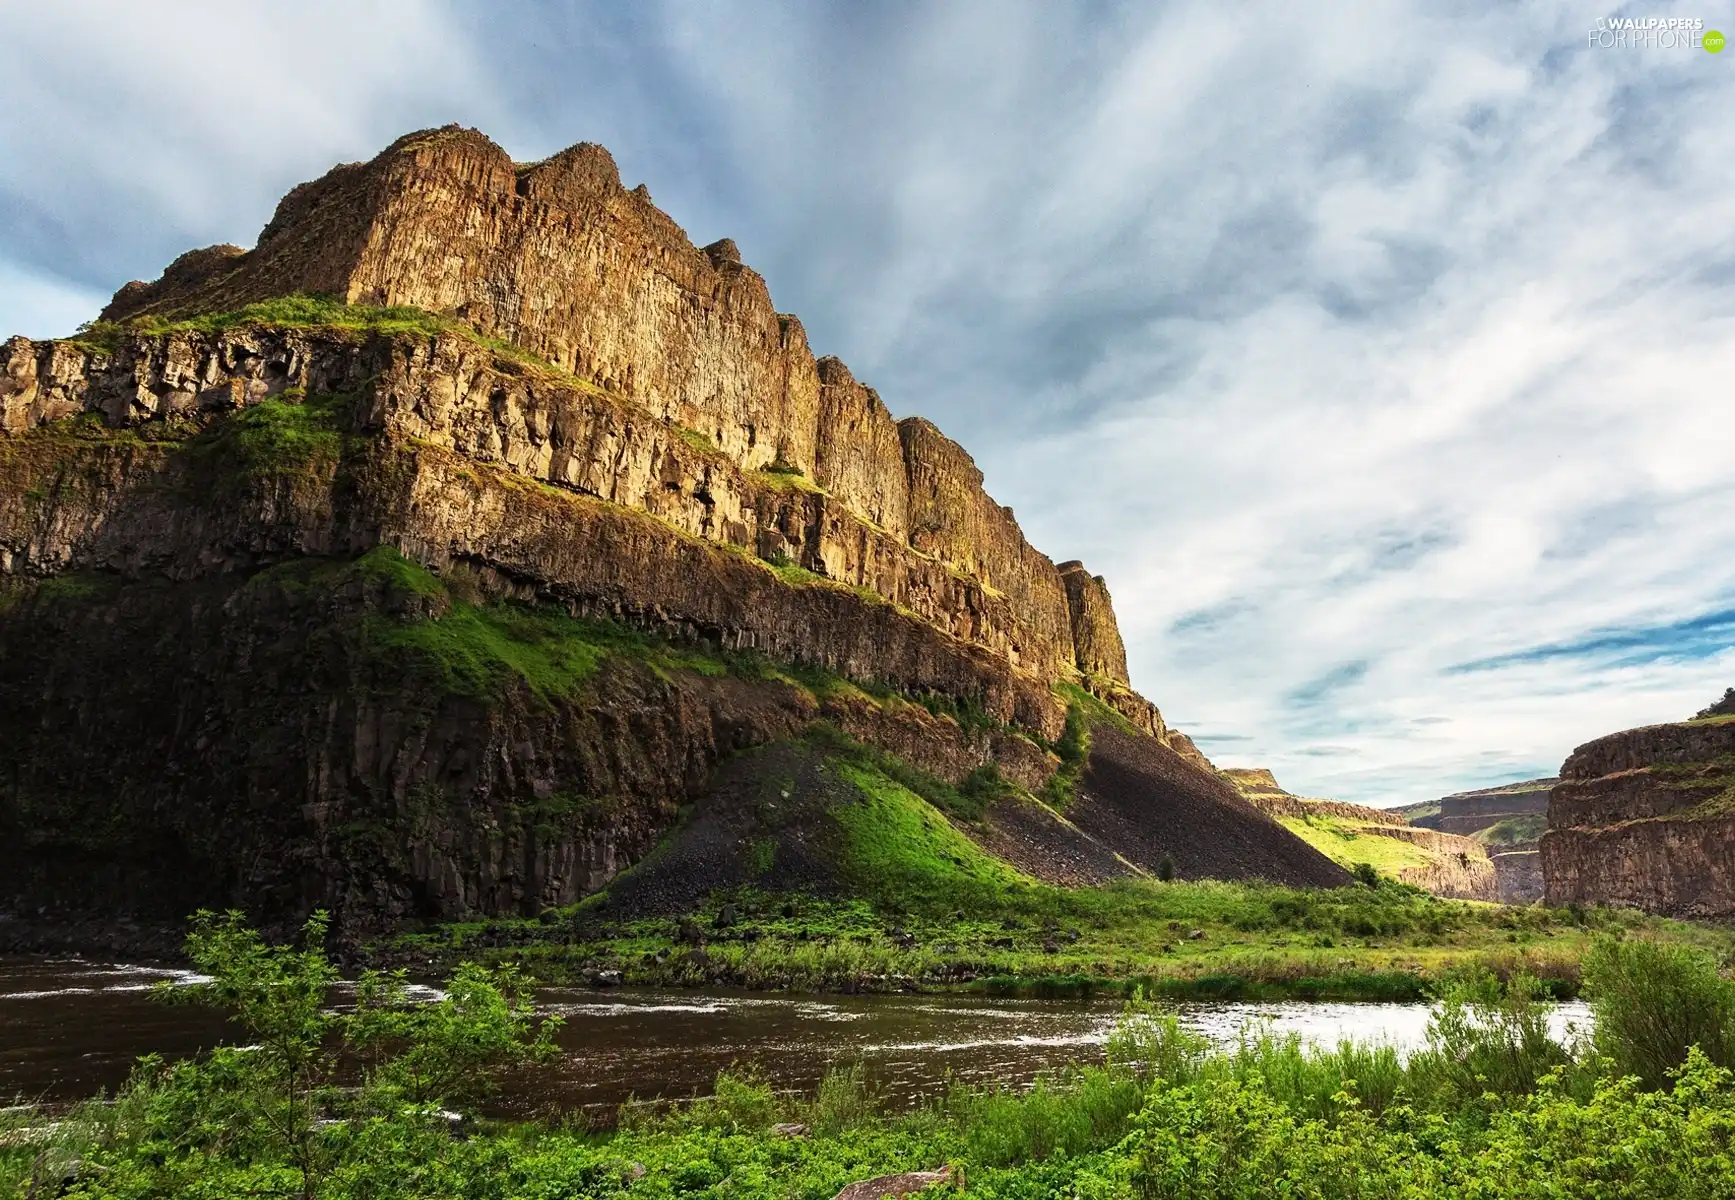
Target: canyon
[
  {"x": 1451, "y": 865},
  {"x": 428, "y": 559},
  {"x": 1507, "y": 821}
]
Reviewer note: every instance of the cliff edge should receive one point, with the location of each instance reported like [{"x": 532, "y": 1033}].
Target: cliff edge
[
  {"x": 426, "y": 559},
  {"x": 1646, "y": 818}
]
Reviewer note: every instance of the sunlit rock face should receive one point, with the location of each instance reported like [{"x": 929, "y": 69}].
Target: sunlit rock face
[
  {"x": 1644, "y": 818},
  {"x": 218, "y": 689},
  {"x": 560, "y": 259}
]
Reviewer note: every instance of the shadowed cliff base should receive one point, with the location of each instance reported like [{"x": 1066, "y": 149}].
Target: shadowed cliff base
[
  {"x": 1152, "y": 804},
  {"x": 366, "y": 736}
]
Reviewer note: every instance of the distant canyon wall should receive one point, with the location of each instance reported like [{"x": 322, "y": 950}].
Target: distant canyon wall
[{"x": 1646, "y": 818}]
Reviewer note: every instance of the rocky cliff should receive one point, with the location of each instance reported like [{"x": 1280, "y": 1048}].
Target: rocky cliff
[
  {"x": 1646, "y": 818},
  {"x": 440, "y": 594},
  {"x": 1471, "y": 812},
  {"x": 1443, "y": 863},
  {"x": 1507, "y": 821},
  {"x": 560, "y": 259}
]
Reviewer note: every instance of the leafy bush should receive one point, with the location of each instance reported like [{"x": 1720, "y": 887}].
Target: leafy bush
[
  {"x": 1149, "y": 1044},
  {"x": 1485, "y": 1040},
  {"x": 280, "y": 1099},
  {"x": 1654, "y": 1002},
  {"x": 844, "y": 1099},
  {"x": 1721, "y": 708}
]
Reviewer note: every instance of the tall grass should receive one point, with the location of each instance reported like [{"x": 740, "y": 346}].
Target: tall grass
[{"x": 1270, "y": 1114}]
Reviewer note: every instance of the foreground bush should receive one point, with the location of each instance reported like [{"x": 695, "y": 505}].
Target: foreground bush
[
  {"x": 1653, "y": 1001},
  {"x": 344, "y": 1104}
]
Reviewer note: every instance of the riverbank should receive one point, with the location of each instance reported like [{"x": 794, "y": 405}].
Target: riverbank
[
  {"x": 1493, "y": 1105},
  {"x": 1171, "y": 940}
]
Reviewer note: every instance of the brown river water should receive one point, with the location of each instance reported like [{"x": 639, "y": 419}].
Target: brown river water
[{"x": 71, "y": 1027}]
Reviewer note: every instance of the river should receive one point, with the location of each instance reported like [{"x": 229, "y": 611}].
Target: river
[{"x": 71, "y": 1027}]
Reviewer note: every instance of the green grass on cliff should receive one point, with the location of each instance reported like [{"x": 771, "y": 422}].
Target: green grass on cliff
[
  {"x": 899, "y": 847},
  {"x": 289, "y": 434},
  {"x": 1513, "y": 831},
  {"x": 301, "y": 311},
  {"x": 304, "y": 311},
  {"x": 1716, "y": 773},
  {"x": 476, "y": 649},
  {"x": 465, "y": 646},
  {"x": 784, "y": 478}
]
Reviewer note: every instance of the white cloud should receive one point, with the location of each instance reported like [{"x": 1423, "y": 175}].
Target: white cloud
[
  {"x": 39, "y": 307},
  {"x": 1351, "y": 349},
  {"x": 132, "y": 128}
]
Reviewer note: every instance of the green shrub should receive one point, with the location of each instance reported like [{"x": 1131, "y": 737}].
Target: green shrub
[
  {"x": 1485, "y": 1039},
  {"x": 278, "y": 1100},
  {"x": 843, "y": 1100},
  {"x": 741, "y": 1101},
  {"x": 1149, "y": 1044},
  {"x": 1653, "y": 1002}
]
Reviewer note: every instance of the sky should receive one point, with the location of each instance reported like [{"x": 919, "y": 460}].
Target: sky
[{"x": 1382, "y": 360}]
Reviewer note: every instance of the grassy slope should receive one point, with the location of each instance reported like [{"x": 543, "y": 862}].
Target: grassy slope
[
  {"x": 1419, "y": 811},
  {"x": 1348, "y": 842},
  {"x": 1513, "y": 831}
]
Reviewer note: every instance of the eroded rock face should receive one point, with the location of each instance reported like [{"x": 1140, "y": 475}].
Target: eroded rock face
[
  {"x": 1468, "y": 812},
  {"x": 1642, "y": 818},
  {"x": 301, "y": 761},
  {"x": 861, "y": 459},
  {"x": 558, "y": 489},
  {"x": 559, "y": 258},
  {"x": 953, "y": 519},
  {"x": 556, "y": 257},
  {"x": 1469, "y": 877},
  {"x": 1096, "y": 636},
  {"x": 1518, "y": 876}
]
